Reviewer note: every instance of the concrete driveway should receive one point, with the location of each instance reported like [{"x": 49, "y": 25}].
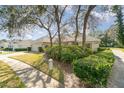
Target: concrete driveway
[{"x": 31, "y": 77}]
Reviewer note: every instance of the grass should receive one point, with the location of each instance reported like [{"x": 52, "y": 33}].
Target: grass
[
  {"x": 121, "y": 49},
  {"x": 36, "y": 60},
  {"x": 4, "y": 52},
  {"x": 8, "y": 78}
]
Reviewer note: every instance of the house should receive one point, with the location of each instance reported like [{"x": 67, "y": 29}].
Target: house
[
  {"x": 91, "y": 42},
  {"x": 41, "y": 42},
  {"x": 36, "y": 45},
  {"x": 22, "y": 43},
  {"x": 3, "y": 44},
  {"x": 15, "y": 44}
]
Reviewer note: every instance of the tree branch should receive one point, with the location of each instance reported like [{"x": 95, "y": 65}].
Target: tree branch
[
  {"x": 54, "y": 35},
  {"x": 61, "y": 15}
]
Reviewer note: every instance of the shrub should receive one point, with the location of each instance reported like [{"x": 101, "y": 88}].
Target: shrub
[
  {"x": 53, "y": 52},
  {"x": 102, "y": 48},
  {"x": 40, "y": 49},
  {"x": 8, "y": 49},
  {"x": 94, "y": 69},
  {"x": 20, "y": 49},
  {"x": 68, "y": 53},
  {"x": 29, "y": 48},
  {"x": 106, "y": 54}
]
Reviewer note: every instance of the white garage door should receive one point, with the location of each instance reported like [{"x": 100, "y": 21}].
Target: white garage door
[{"x": 35, "y": 48}]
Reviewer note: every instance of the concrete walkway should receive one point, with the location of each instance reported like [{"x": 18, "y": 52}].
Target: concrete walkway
[
  {"x": 116, "y": 79},
  {"x": 29, "y": 75}
]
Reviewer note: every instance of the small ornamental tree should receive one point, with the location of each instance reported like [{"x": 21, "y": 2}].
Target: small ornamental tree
[{"x": 120, "y": 25}]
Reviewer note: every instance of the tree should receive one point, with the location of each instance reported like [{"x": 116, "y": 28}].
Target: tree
[
  {"x": 41, "y": 17},
  {"x": 120, "y": 25},
  {"x": 47, "y": 27},
  {"x": 15, "y": 19},
  {"x": 106, "y": 41},
  {"x": 76, "y": 21},
  {"x": 58, "y": 16},
  {"x": 44, "y": 21},
  {"x": 90, "y": 8},
  {"x": 9, "y": 16}
]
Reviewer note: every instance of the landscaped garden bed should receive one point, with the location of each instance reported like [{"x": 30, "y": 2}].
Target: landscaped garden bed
[
  {"x": 8, "y": 78},
  {"x": 36, "y": 60},
  {"x": 68, "y": 53},
  {"x": 91, "y": 68},
  {"x": 94, "y": 69}
]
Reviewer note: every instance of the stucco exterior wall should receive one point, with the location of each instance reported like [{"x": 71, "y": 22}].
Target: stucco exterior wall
[
  {"x": 4, "y": 44},
  {"x": 95, "y": 46},
  {"x": 22, "y": 45},
  {"x": 35, "y": 47}
]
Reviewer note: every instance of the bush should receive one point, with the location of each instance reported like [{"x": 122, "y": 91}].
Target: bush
[
  {"x": 94, "y": 69},
  {"x": 102, "y": 48},
  {"x": 40, "y": 49},
  {"x": 53, "y": 52},
  {"x": 68, "y": 53},
  {"x": 8, "y": 49},
  {"x": 29, "y": 48},
  {"x": 20, "y": 49}
]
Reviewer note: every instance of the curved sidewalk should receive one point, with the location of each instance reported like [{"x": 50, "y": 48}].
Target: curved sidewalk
[
  {"x": 29, "y": 75},
  {"x": 116, "y": 79}
]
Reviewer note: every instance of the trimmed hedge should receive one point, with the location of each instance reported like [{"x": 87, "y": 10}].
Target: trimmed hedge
[
  {"x": 16, "y": 49},
  {"x": 68, "y": 53},
  {"x": 8, "y": 49},
  {"x": 20, "y": 49},
  {"x": 94, "y": 69}
]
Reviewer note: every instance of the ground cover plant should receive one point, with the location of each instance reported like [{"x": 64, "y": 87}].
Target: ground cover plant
[{"x": 68, "y": 53}]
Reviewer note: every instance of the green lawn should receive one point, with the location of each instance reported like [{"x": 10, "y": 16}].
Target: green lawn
[
  {"x": 2, "y": 53},
  {"x": 8, "y": 78},
  {"x": 122, "y": 49},
  {"x": 36, "y": 60}
]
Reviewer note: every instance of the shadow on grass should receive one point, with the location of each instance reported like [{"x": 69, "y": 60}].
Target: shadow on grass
[
  {"x": 34, "y": 76},
  {"x": 8, "y": 78}
]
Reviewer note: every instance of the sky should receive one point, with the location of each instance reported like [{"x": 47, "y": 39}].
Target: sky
[
  {"x": 103, "y": 26},
  {"x": 107, "y": 19}
]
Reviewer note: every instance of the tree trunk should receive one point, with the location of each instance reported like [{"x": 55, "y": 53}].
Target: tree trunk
[
  {"x": 50, "y": 36},
  {"x": 77, "y": 30},
  {"x": 58, "y": 27},
  {"x": 90, "y": 8},
  {"x": 59, "y": 37}
]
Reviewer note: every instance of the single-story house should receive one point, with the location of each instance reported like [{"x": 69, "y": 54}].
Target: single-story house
[
  {"x": 22, "y": 43},
  {"x": 15, "y": 44},
  {"x": 91, "y": 42},
  {"x": 41, "y": 42},
  {"x": 4, "y": 43},
  {"x": 35, "y": 46}
]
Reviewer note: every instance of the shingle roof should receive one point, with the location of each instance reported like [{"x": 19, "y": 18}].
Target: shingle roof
[{"x": 68, "y": 39}]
